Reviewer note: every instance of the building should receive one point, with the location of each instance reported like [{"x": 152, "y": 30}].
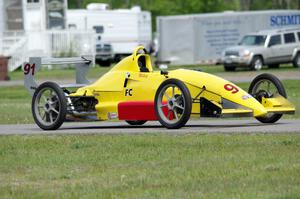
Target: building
[{"x": 31, "y": 27}]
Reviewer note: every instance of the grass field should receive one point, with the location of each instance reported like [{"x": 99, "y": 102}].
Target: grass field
[
  {"x": 16, "y": 102},
  {"x": 150, "y": 166}
]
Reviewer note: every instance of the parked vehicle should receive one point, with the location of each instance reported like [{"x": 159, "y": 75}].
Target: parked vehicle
[
  {"x": 104, "y": 55},
  {"x": 268, "y": 47},
  {"x": 123, "y": 29}
]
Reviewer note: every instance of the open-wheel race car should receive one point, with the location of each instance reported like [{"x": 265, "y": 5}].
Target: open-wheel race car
[{"x": 134, "y": 92}]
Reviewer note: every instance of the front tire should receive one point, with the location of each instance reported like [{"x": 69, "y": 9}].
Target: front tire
[
  {"x": 272, "y": 86},
  {"x": 49, "y": 106},
  {"x": 256, "y": 63},
  {"x": 173, "y": 104}
]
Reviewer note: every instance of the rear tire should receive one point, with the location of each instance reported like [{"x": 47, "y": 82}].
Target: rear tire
[
  {"x": 136, "y": 122},
  {"x": 296, "y": 61},
  {"x": 49, "y": 106},
  {"x": 257, "y": 63},
  {"x": 229, "y": 68},
  {"x": 258, "y": 94}
]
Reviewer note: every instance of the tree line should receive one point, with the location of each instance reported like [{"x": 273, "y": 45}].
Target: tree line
[{"x": 176, "y": 7}]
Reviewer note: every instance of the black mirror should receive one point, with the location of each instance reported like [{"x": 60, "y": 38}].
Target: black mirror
[{"x": 164, "y": 72}]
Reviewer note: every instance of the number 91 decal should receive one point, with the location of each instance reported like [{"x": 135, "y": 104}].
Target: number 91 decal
[
  {"x": 232, "y": 88},
  {"x": 29, "y": 69}
]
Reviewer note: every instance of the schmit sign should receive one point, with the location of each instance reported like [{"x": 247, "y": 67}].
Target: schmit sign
[{"x": 285, "y": 20}]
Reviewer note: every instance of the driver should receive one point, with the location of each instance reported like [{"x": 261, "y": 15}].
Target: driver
[{"x": 142, "y": 64}]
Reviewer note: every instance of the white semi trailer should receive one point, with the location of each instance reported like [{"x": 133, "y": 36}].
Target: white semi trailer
[
  {"x": 201, "y": 38},
  {"x": 123, "y": 29}
]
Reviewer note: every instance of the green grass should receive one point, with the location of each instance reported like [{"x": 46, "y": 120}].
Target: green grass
[
  {"x": 15, "y": 102},
  {"x": 15, "y": 105},
  {"x": 150, "y": 166}
]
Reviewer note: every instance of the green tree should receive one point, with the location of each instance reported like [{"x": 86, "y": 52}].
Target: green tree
[{"x": 179, "y": 7}]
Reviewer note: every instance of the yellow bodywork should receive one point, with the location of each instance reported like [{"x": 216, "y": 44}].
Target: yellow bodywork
[{"x": 125, "y": 82}]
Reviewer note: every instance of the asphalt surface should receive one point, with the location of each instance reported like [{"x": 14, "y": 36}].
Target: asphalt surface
[{"x": 193, "y": 126}]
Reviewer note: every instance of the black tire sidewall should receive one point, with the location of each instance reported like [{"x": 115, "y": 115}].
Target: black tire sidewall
[
  {"x": 188, "y": 104},
  {"x": 280, "y": 89},
  {"x": 63, "y": 106}
]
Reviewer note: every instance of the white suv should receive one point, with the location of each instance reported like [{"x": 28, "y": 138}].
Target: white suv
[{"x": 268, "y": 47}]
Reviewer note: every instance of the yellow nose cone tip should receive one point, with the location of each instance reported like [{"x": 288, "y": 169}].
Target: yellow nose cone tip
[{"x": 260, "y": 112}]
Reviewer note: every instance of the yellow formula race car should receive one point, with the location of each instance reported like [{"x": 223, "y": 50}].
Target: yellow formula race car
[{"x": 134, "y": 92}]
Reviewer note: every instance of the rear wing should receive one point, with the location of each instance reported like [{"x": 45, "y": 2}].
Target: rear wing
[{"x": 82, "y": 65}]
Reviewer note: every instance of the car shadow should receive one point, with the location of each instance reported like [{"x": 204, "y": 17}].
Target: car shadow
[
  {"x": 231, "y": 125},
  {"x": 159, "y": 126}
]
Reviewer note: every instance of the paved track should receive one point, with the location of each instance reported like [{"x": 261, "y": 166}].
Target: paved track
[{"x": 193, "y": 126}]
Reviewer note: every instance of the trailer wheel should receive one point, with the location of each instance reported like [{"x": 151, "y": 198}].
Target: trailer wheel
[
  {"x": 104, "y": 63},
  {"x": 173, "y": 104},
  {"x": 49, "y": 106},
  {"x": 229, "y": 67},
  {"x": 267, "y": 85},
  {"x": 136, "y": 122}
]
